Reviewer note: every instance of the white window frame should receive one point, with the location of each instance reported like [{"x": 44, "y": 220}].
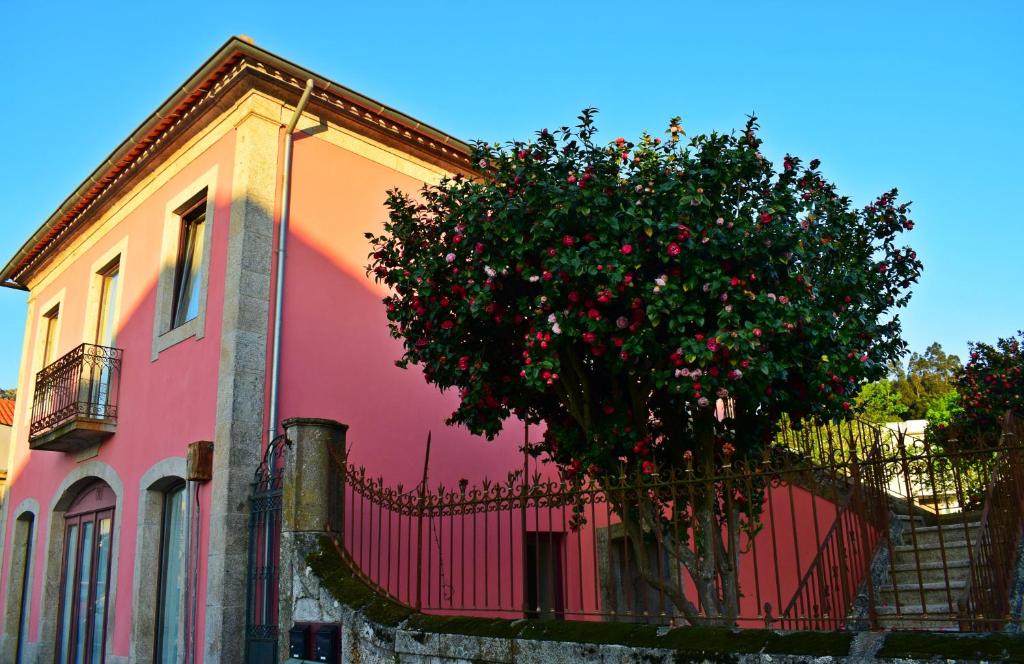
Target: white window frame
[
  {"x": 118, "y": 253},
  {"x": 39, "y": 344},
  {"x": 164, "y": 335}
]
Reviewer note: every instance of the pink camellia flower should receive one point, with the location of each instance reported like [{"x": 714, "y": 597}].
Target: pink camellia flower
[
  {"x": 722, "y": 393},
  {"x": 450, "y": 258},
  {"x": 712, "y": 344},
  {"x": 627, "y": 249},
  {"x": 621, "y": 322},
  {"x": 674, "y": 249},
  {"x": 735, "y": 374},
  {"x": 482, "y": 163},
  {"x": 703, "y": 402},
  {"x": 783, "y": 299}
]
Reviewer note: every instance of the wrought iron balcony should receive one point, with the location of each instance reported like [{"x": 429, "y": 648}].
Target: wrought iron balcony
[{"x": 75, "y": 401}]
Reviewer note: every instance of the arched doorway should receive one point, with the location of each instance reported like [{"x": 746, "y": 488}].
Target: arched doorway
[{"x": 85, "y": 576}]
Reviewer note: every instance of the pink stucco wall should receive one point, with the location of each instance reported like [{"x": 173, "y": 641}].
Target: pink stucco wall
[
  {"x": 164, "y": 405},
  {"x": 337, "y": 356}
]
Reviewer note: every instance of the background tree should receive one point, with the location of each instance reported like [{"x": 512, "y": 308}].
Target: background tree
[
  {"x": 614, "y": 291},
  {"x": 880, "y": 402},
  {"x": 11, "y": 393},
  {"x": 927, "y": 377}
]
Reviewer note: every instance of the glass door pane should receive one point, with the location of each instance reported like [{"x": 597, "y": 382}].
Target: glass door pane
[
  {"x": 172, "y": 571},
  {"x": 67, "y": 603},
  {"x": 99, "y": 591},
  {"x": 99, "y": 370},
  {"x": 82, "y": 588}
]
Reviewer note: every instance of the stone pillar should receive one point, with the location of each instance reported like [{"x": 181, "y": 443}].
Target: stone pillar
[
  {"x": 311, "y": 506},
  {"x": 241, "y": 381}
]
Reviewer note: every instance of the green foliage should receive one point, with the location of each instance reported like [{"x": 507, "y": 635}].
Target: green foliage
[
  {"x": 926, "y": 378},
  {"x": 991, "y": 383},
  {"x": 879, "y": 402},
  {"x": 615, "y": 290},
  {"x": 944, "y": 409}
]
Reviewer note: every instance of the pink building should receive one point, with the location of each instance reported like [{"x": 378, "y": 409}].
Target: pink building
[
  {"x": 151, "y": 331},
  {"x": 150, "y": 326}
]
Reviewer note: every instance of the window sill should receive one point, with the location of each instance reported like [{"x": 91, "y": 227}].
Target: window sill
[{"x": 193, "y": 328}]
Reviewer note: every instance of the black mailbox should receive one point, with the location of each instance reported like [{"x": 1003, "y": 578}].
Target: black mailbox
[
  {"x": 298, "y": 642},
  {"x": 326, "y": 647}
]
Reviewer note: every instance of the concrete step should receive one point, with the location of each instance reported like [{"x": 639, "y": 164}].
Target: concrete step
[
  {"x": 934, "y": 572},
  {"x": 935, "y": 617},
  {"x": 906, "y": 554},
  {"x": 935, "y": 593},
  {"x": 927, "y": 536}
]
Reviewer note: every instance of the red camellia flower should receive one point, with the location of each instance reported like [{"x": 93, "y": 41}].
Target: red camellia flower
[
  {"x": 589, "y": 337},
  {"x": 447, "y": 325},
  {"x": 620, "y": 141},
  {"x": 673, "y": 249},
  {"x": 757, "y": 331},
  {"x": 765, "y": 218},
  {"x": 464, "y": 362},
  {"x": 571, "y": 179},
  {"x": 648, "y": 467},
  {"x": 627, "y": 249},
  {"x": 594, "y": 314},
  {"x": 568, "y": 240}
]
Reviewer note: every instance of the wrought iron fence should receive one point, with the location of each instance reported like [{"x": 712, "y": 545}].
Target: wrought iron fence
[
  {"x": 986, "y": 599},
  {"x": 838, "y": 526},
  {"x": 84, "y": 384}
]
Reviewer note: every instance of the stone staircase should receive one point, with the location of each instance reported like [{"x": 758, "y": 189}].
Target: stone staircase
[{"x": 927, "y": 580}]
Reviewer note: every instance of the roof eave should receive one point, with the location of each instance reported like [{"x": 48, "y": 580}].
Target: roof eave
[{"x": 232, "y": 48}]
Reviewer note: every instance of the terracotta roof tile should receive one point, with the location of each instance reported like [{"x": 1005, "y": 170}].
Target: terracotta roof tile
[{"x": 7, "y": 411}]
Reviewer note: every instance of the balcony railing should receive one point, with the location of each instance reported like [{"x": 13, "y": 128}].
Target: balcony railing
[{"x": 75, "y": 401}]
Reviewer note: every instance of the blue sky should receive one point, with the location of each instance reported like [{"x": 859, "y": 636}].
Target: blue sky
[{"x": 926, "y": 96}]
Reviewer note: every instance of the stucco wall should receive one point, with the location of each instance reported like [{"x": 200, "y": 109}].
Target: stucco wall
[
  {"x": 337, "y": 355},
  {"x": 164, "y": 404}
]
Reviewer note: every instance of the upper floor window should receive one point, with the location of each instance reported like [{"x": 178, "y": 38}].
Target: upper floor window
[
  {"x": 181, "y": 289},
  {"x": 50, "y": 320},
  {"x": 188, "y": 268},
  {"x": 105, "y": 318}
]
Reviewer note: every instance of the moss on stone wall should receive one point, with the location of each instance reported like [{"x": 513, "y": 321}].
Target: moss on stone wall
[
  {"x": 956, "y": 647},
  {"x": 338, "y": 579}
]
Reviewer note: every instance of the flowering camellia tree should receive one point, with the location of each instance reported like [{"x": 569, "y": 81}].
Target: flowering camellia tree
[
  {"x": 991, "y": 383},
  {"x": 615, "y": 292}
]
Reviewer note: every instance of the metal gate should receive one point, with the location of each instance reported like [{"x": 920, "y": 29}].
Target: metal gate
[{"x": 264, "y": 556}]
